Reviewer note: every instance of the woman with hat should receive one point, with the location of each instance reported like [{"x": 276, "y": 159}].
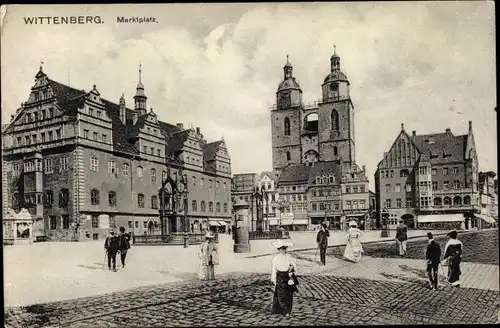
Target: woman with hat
[
  {"x": 208, "y": 257},
  {"x": 353, "y": 248},
  {"x": 283, "y": 277},
  {"x": 453, "y": 258}
]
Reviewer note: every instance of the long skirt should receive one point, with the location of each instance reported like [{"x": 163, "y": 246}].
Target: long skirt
[
  {"x": 206, "y": 272},
  {"x": 353, "y": 250},
  {"x": 283, "y": 294},
  {"x": 454, "y": 271}
]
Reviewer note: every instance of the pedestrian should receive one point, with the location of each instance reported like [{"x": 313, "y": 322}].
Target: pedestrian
[
  {"x": 123, "y": 245},
  {"x": 453, "y": 257},
  {"x": 353, "y": 248},
  {"x": 322, "y": 241},
  {"x": 433, "y": 257},
  {"x": 111, "y": 247},
  {"x": 283, "y": 276},
  {"x": 208, "y": 257},
  {"x": 229, "y": 231},
  {"x": 402, "y": 237}
]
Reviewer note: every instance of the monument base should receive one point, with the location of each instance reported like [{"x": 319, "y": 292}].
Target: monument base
[{"x": 241, "y": 248}]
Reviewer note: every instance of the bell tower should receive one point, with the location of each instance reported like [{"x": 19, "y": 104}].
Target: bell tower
[
  {"x": 286, "y": 120},
  {"x": 140, "y": 99},
  {"x": 336, "y": 116}
]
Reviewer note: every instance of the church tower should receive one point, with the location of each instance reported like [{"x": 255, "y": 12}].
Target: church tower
[
  {"x": 336, "y": 116},
  {"x": 286, "y": 121},
  {"x": 140, "y": 97}
]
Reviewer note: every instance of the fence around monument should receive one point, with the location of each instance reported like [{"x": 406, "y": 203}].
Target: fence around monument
[{"x": 174, "y": 238}]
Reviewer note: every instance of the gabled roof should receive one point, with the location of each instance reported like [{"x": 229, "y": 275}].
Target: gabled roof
[
  {"x": 121, "y": 132},
  {"x": 295, "y": 173},
  {"x": 273, "y": 175},
  {"x": 442, "y": 142},
  {"x": 210, "y": 150},
  {"x": 325, "y": 168},
  {"x": 68, "y": 98},
  {"x": 176, "y": 142}
]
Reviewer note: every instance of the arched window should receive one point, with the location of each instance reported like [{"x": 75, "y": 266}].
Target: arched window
[
  {"x": 48, "y": 201},
  {"x": 194, "y": 180},
  {"x": 225, "y": 207},
  {"x": 153, "y": 175},
  {"x": 404, "y": 173},
  {"x": 335, "y": 120},
  {"x": 447, "y": 201},
  {"x": 140, "y": 200},
  {"x": 140, "y": 172},
  {"x": 288, "y": 156},
  {"x": 94, "y": 197},
  {"x": 112, "y": 198},
  {"x": 210, "y": 206},
  {"x": 217, "y": 207},
  {"x": 194, "y": 206},
  {"x": 15, "y": 199},
  {"x": 224, "y": 186},
  {"x": 335, "y": 151},
  {"x": 164, "y": 176},
  {"x": 287, "y": 126},
  {"x": 154, "y": 202},
  {"x": 457, "y": 200},
  {"x": 438, "y": 201},
  {"x": 202, "y": 182},
  {"x": 467, "y": 200},
  {"x": 202, "y": 206}
]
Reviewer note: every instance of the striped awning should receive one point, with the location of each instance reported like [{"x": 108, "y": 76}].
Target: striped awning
[
  {"x": 441, "y": 218},
  {"x": 214, "y": 222},
  {"x": 486, "y": 218}
]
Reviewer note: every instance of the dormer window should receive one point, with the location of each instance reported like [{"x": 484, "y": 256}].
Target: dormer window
[
  {"x": 446, "y": 153},
  {"x": 430, "y": 140},
  {"x": 91, "y": 111}
]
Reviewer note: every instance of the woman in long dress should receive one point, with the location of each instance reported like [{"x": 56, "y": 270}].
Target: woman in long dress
[
  {"x": 353, "y": 248},
  {"x": 283, "y": 277},
  {"x": 208, "y": 257},
  {"x": 453, "y": 257}
]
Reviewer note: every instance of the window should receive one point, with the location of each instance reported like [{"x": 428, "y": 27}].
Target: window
[
  {"x": 408, "y": 187},
  {"x": 287, "y": 126},
  {"x": 48, "y": 165},
  {"x": 94, "y": 197},
  {"x": 288, "y": 156},
  {"x": 86, "y": 134},
  {"x": 347, "y": 205},
  {"x": 158, "y": 152},
  {"x": 48, "y": 199},
  {"x": 111, "y": 167},
  {"x": 225, "y": 207},
  {"x": 137, "y": 224},
  {"x": 314, "y": 206},
  {"x": 347, "y": 190},
  {"x": 362, "y": 204},
  {"x": 104, "y": 138},
  {"x": 140, "y": 172},
  {"x": 95, "y": 221},
  {"x": 224, "y": 186},
  {"x": 422, "y": 170},
  {"x": 63, "y": 198},
  {"x": 112, "y": 198},
  {"x": 193, "y": 179},
  {"x": 140, "y": 201},
  {"x": 125, "y": 169},
  {"x": 387, "y": 188},
  {"x": 388, "y": 203},
  {"x": 194, "y": 206},
  {"x": 65, "y": 221},
  {"x": 456, "y": 170},
  {"x": 408, "y": 202},
  {"x": 98, "y": 113},
  {"x": 49, "y": 134},
  {"x": 164, "y": 176},
  {"x": 217, "y": 207},
  {"x": 202, "y": 206},
  {"x": 445, "y": 171},
  {"x": 64, "y": 163},
  {"x": 96, "y": 136},
  {"x": 91, "y": 111},
  {"x": 209, "y": 183},
  {"x": 335, "y": 120},
  {"x": 434, "y": 185},
  {"x": 94, "y": 163},
  {"x": 434, "y": 171},
  {"x": 130, "y": 224},
  {"x": 34, "y": 138},
  {"x": 446, "y": 185},
  {"x": 355, "y": 189},
  {"x": 154, "y": 202},
  {"x": 210, "y": 207},
  {"x": 456, "y": 184},
  {"x": 53, "y": 222},
  {"x": 398, "y": 202},
  {"x": 398, "y": 187},
  {"x": 153, "y": 175},
  {"x": 424, "y": 202},
  {"x": 217, "y": 184}
]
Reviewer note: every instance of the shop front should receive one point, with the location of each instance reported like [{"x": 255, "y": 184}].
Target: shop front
[
  {"x": 442, "y": 221},
  {"x": 17, "y": 228}
]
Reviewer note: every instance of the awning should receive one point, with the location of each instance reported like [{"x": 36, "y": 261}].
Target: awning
[
  {"x": 273, "y": 222},
  {"x": 286, "y": 221},
  {"x": 301, "y": 221},
  {"x": 441, "y": 218},
  {"x": 486, "y": 218},
  {"x": 216, "y": 222}
]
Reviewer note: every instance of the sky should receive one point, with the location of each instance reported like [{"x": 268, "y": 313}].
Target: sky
[{"x": 429, "y": 65}]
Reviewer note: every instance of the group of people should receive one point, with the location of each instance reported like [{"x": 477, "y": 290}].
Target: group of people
[{"x": 114, "y": 245}]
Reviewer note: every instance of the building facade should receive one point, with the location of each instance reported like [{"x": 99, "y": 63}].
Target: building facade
[
  {"x": 489, "y": 199},
  {"x": 80, "y": 163},
  {"x": 431, "y": 181},
  {"x": 314, "y": 150}
]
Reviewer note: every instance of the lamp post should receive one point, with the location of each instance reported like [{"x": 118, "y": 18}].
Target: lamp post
[{"x": 385, "y": 231}]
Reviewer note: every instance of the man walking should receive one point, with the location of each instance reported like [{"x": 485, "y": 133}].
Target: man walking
[
  {"x": 123, "y": 245},
  {"x": 433, "y": 257},
  {"x": 402, "y": 237},
  {"x": 111, "y": 247},
  {"x": 322, "y": 240}
]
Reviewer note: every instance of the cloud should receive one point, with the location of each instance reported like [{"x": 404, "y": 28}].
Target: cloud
[{"x": 218, "y": 67}]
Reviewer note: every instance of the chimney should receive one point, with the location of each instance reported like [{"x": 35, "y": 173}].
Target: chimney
[
  {"x": 413, "y": 133},
  {"x": 180, "y": 126},
  {"x": 402, "y": 126},
  {"x": 364, "y": 169},
  {"x": 470, "y": 124},
  {"x": 448, "y": 131},
  {"x": 198, "y": 130}
]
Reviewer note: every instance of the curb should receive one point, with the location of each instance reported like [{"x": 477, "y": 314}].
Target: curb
[{"x": 368, "y": 242}]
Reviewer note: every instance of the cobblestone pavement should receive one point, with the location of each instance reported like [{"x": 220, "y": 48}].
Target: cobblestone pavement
[
  {"x": 242, "y": 300},
  {"x": 479, "y": 247}
]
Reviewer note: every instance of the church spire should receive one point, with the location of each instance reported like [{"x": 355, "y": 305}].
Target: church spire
[
  {"x": 335, "y": 60},
  {"x": 288, "y": 69},
  {"x": 140, "y": 97}
]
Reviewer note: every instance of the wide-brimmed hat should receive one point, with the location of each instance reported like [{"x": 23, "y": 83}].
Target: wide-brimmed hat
[
  {"x": 209, "y": 235},
  {"x": 353, "y": 224},
  {"x": 280, "y": 244},
  {"x": 453, "y": 234}
]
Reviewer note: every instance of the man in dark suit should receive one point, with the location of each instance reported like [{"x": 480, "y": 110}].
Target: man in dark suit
[
  {"x": 111, "y": 247},
  {"x": 322, "y": 240},
  {"x": 402, "y": 237},
  {"x": 433, "y": 257},
  {"x": 123, "y": 244}
]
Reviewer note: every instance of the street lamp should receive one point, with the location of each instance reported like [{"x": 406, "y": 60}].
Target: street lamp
[{"x": 385, "y": 231}]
